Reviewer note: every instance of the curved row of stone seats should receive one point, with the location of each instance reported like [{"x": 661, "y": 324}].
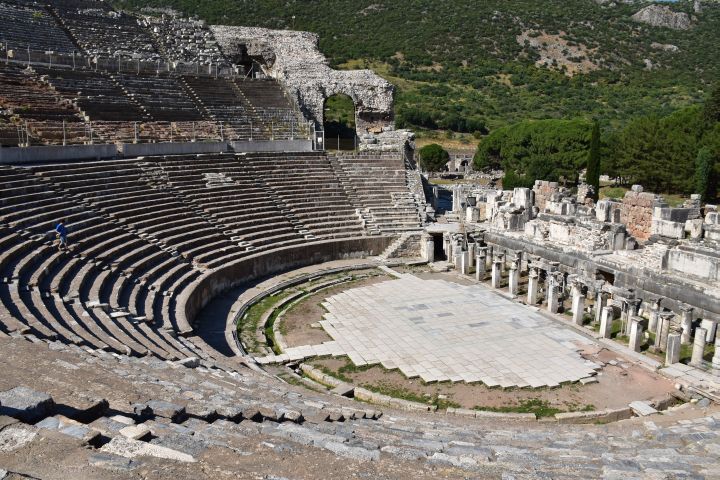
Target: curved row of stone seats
[
  {"x": 186, "y": 40},
  {"x": 102, "y": 413},
  {"x": 9, "y": 133},
  {"x": 306, "y": 185},
  {"x": 21, "y": 27},
  {"x": 64, "y": 133},
  {"x": 272, "y": 109},
  {"x": 221, "y": 101},
  {"x": 151, "y": 132},
  {"x": 378, "y": 184},
  {"x": 39, "y": 110},
  {"x": 162, "y": 98},
  {"x": 76, "y": 297},
  {"x": 264, "y": 93},
  {"x": 23, "y": 94},
  {"x": 130, "y": 192},
  {"x": 221, "y": 187},
  {"x": 93, "y": 93},
  {"x": 100, "y": 30},
  {"x": 142, "y": 231}
]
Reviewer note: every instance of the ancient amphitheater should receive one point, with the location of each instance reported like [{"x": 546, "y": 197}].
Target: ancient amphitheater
[{"x": 236, "y": 302}]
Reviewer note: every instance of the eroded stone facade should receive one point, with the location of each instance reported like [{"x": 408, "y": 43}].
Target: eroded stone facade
[{"x": 293, "y": 58}]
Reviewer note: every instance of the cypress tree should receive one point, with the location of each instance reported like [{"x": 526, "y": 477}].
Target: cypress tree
[
  {"x": 592, "y": 175},
  {"x": 703, "y": 170}
]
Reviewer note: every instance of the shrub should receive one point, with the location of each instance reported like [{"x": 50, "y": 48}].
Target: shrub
[{"x": 433, "y": 157}]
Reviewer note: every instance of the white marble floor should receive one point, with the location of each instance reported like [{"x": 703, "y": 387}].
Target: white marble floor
[{"x": 441, "y": 331}]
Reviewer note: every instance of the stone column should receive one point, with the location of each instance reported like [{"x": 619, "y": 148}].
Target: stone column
[
  {"x": 513, "y": 280},
  {"x": 716, "y": 355},
  {"x": 600, "y": 303},
  {"x": 533, "y": 282},
  {"x": 489, "y": 258},
  {"x": 578, "y": 304},
  {"x": 472, "y": 248},
  {"x": 673, "y": 349},
  {"x": 496, "y": 275},
  {"x": 457, "y": 259},
  {"x": 654, "y": 315},
  {"x": 472, "y": 214},
  {"x": 465, "y": 263},
  {"x": 552, "y": 297},
  {"x": 606, "y": 319},
  {"x": 686, "y": 322},
  {"x": 636, "y": 334},
  {"x": 710, "y": 327},
  {"x": 632, "y": 311},
  {"x": 665, "y": 331},
  {"x": 427, "y": 247},
  {"x": 480, "y": 264},
  {"x": 698, "y": 347}
]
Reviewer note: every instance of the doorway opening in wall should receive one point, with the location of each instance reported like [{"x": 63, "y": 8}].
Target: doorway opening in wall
[
  {"x": 609, "y": 277},
  {"x": 438, "y": 247},
  {"x": 339, "y": 114}
]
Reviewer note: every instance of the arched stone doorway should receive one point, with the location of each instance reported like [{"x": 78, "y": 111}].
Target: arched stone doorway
[{"x": 339, "y": 122}]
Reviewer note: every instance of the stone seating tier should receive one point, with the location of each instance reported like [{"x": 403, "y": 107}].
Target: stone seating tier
[
  {"x": 22, "y": 23},
  {"x": 142, "y": 232},
  {"x": 82, "y": 106},
  {"x": 99, "y": 30}
]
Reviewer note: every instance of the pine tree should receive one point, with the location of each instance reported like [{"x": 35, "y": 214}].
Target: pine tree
[{"x": 592, "y": 174}]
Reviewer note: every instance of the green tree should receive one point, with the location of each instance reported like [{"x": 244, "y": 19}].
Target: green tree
[
  {"x": 704, "y": 170},
  {"x": 537, "y": 150},
  {"x": 433, "y": 157},
  {"x": 592, "y": 175},
  {"x": 659, "y": 152},
  {"x": 711, "y": 109}
]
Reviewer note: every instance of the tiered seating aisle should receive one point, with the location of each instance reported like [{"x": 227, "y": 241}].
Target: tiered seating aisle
[
  {"x": 378, "y": 185},
  {"x": 306, "y": 186}
]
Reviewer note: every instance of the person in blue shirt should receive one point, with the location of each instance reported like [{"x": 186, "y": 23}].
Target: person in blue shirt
[{"x": 62, "y": 235}]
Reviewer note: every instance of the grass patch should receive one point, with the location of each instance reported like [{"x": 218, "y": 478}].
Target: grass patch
[
  {"x": 674, "y": 200},
  {"x": 345, "y": 372},
  {"x": 541, "y": 408},
  {"x": 615, "y": 193},
  {"x": 396, "y": 392},
  {"x": 686, "y": 352},
  {"x": 248, "y": 325}
]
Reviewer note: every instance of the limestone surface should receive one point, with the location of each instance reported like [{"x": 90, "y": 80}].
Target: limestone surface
[
  {"x": 293, "y": 58},
  {"x": 663, "y": 16},
  {"x": 439, "y": 331}
]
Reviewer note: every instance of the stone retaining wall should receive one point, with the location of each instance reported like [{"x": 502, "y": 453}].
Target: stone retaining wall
[{"x": 199, "y": 293}]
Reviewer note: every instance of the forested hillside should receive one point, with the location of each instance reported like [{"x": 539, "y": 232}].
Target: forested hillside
[{"x": 466, "y": 65}]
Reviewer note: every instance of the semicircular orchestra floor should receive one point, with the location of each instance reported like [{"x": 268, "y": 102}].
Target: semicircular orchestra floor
[{"x": 442, "y": 331}]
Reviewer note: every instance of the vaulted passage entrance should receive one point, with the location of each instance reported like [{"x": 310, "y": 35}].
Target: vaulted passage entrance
[{"x": 339, "y": 115}]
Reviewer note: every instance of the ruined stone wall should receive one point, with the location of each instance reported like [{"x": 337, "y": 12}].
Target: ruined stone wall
[
  {"x": 585, "y": 236},
  {"x": 544, "y": 190},
  {"x": 293, "y": 58},
  {"x": 636, "y": 212}
]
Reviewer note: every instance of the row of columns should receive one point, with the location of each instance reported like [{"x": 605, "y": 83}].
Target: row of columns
[{"x": 667, "y": 340}]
